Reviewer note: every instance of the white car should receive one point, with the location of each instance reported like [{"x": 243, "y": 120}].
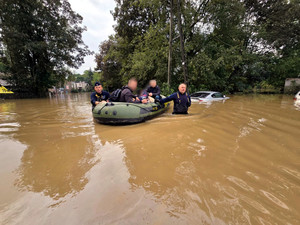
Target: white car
[
  {"x": 207, "y": 96},
  {"x": 297, "y": 99}
]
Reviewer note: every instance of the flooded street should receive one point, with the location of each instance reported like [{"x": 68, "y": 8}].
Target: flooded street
[{"x": 233, "y": 162}]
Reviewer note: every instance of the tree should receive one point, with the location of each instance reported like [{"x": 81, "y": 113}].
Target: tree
[
  {"x": 41, "y": 39},
  {"x": 278, "y": 30},
  {"x": 96, "y": 77},
  {"x": 182, "y": 40},
  {"x": 109, "y": 64},
  {"x": 89, "y": 76},
  {"x": 170, "y": 43},
  {"x": 222, "y": 45}
]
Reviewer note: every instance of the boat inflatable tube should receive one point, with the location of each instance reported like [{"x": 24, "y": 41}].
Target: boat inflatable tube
[{"x": 118, "y": 113}]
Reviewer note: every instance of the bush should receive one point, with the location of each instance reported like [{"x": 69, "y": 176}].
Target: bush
[
  {"x": 265, "y": 87},
  {"x": 166, "y": 89}
]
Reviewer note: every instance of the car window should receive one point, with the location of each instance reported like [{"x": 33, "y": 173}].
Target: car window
[
  {"x": 217, "y": 95},
  {"x": 200, "y": 95},
  {"x": 195, "y": 95}
]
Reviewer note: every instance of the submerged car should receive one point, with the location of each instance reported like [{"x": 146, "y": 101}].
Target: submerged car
[
  {"x": 297, "y": 100},
  {"x": 207, "y": 96},
  {"x": 297, "y": 97}
]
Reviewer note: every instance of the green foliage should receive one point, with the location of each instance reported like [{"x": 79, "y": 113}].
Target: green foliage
[
  {"x": 40, "y": 39},
  {"x": 80, "y": 78},
  {"x": 149, "y": 60},
  {"x": 265, "y": 87},
  {"x": 109, "y": 61},
  {"x": 166, "y": 89},
  {"x": 3, "y": 67},
  {"x": 3, "y": 59},
  {"x": 230, "y": 45},
  {"x": 88, "y": 74},
  {"x": 96, "y": 77}
]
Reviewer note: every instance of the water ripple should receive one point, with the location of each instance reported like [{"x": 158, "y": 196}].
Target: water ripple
[
  {"x": 274, "y": 199},
  {"x": 239, "y": 182}
]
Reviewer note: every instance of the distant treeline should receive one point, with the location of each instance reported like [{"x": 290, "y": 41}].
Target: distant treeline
[{"x": 222, "y": 45}]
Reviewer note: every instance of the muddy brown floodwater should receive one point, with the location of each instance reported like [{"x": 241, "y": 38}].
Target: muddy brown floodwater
[{"x": 233, "y": 162}]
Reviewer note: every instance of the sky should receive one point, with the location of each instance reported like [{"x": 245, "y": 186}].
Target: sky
[{"x": 99, "y": 23}]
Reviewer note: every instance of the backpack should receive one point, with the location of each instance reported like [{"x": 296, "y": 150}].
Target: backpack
[{"x": 116, "y": 95}]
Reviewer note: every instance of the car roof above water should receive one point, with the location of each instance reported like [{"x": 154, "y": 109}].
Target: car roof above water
[{"x": 207, "y": 92}]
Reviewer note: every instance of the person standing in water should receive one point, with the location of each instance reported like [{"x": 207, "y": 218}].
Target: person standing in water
[
  {"x": 181, "y": 99},
  {"x": 99, "y": 95}
]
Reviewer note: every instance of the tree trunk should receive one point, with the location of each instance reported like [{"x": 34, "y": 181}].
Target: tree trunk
[
  {"x": 170, "y": 43},
  {"x": 183, "y": 58}
]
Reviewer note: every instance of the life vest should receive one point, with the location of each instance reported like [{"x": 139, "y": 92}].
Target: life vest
[
  {"x": 179, "y": 100},
  {"x": 100, "y": 97},
  {"x": 178, "y": 107}
]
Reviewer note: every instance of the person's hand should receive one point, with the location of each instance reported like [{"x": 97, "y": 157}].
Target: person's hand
[
  {"x": 103, "y": 101},
  {"x": 137, "y": 98},
  {"x": 150, "y": 94},
  {"x": 96, "y": 103},
  {"x": 144, "y": 101}
]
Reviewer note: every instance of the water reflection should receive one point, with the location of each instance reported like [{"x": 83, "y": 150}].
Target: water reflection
[
  {"x": 209, "y": 166},
  {"x": 59, "y": 153},
  {"x": 6, "y": 107},
  {"x": 169, "y": 173},
  {"x": 230, "y": 163},
  {"x": 209, "y": 103},
  {"x": 55, "y": 169},
  {"x": 175, "y": 175}
]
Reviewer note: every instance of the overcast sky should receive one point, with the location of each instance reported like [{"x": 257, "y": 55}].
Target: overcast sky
[{"x": 99, "y": 22}]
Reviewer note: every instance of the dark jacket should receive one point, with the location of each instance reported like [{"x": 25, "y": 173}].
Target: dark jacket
[
  {"x": 127, "y": 95},
  {"x": 97, "y": 97},
  {"x": 154, "y": 90},
  {"x": 181, "y": 102}
]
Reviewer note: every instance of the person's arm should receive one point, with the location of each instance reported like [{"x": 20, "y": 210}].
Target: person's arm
[
  {"x": 169, "y": 98},
  {"x": 93, "y": 99},
  {"x": 148, "y": 90},
  {"x": 129, "y": 97},
  {"x": 107, "y": 95},
  {"x": 189, "y": 102}
]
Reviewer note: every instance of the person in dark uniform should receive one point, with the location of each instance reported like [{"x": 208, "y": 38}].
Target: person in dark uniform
[
  {"x": 99, "y": 95},
  {"x": 181, "y": 99},
  {"x": 153, "y": 90}
]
